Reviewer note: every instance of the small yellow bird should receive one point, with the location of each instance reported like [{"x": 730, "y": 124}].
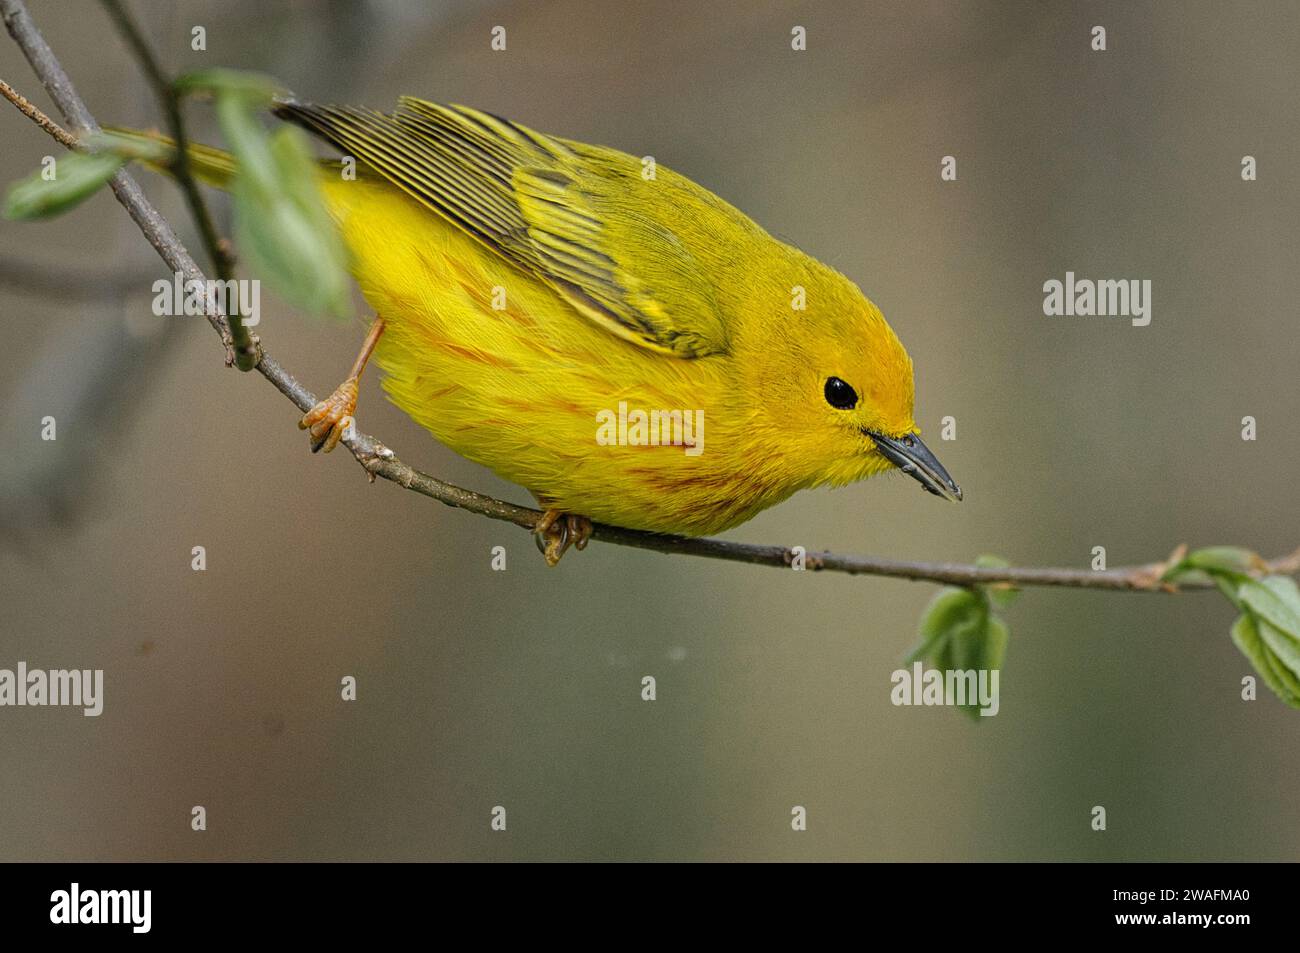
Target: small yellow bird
[{"x": 606, "y": 333}]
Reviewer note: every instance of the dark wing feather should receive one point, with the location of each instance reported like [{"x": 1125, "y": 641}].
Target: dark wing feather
[{"x": 543, "y": 206}]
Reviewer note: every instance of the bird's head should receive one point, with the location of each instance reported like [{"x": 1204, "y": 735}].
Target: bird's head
[{"x": 835, "y": 390}]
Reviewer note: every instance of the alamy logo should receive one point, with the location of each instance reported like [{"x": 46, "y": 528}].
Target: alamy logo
[
  {"x": 189, "y": 297},
  {"x": 77, "y": 688},
  {"x": 655, "y": 428},
  {"x": 134, "y": 907},
  {"x": 963, "y": 688},
  {"x": 1128, "y": 298}
]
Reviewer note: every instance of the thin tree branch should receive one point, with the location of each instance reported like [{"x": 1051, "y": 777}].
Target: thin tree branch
[
  {"x": 243, "y": 344},
  {"x": 379, "y": 461},
  {"x": 35, "y": 115}
]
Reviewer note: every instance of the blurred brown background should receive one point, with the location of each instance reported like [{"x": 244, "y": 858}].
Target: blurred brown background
[{"x": 521, "y": 688}]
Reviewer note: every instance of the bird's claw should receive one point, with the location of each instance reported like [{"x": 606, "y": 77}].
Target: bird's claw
[
  {"x": 556, "y": 531},
  {"x": 328, "y": 422}
]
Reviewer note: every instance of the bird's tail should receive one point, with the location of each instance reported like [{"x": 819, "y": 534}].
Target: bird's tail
[{"x": 211, "y": 166}]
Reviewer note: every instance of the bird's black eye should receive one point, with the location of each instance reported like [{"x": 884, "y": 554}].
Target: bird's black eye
[{"x": 840, "y": 395}]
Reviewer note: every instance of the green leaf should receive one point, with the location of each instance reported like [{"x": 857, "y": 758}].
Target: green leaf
[
  {"x": 1286, "y": 653},
  {"x": 1274, "y": 604},
  {"x": 946, "y": 611},
  {"x": 1181, "y": 575},
  {"x": 1275, "y": 600},
  {"x": 977, "y": 643},
  {"x": 995, "y": 644},
  {"x": 1246, "y": 634},
  {"x": 1223, "y": 559},
  {"x": 282, "y": 225},
  {"x": 133, "y": 146},
  {"x": 961, "y": 648},
  {"x": 254, "y": 87},
  {"x": 965, "y": 643},
  {"x": 77, "y": 176},
  {"x": 251, "y": 145},
  {"x": 1228, "y": 587},
  {"x": 960, "y": 633},
  {"x": 1214, "y": 562}
]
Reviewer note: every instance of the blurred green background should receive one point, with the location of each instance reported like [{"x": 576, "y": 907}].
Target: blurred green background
[{"x": 479, "y": 688}]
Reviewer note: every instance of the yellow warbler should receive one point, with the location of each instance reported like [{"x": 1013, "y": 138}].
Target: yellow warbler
[{"x": 600, "y": 330}]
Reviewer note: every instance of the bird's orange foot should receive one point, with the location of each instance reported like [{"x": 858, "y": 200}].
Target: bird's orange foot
[
  {"x": 556, "y": 531},
  {"x": 328, "y": 421}
]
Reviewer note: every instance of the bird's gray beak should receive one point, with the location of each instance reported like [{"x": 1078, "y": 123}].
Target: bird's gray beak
[{"x": 914, "y": 458}]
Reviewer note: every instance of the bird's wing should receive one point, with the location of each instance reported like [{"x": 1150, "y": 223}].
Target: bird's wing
[{"x": 543, "y": 206}]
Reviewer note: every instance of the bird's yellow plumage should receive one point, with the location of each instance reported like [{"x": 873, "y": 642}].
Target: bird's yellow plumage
[{"x": 531, "y": 287}]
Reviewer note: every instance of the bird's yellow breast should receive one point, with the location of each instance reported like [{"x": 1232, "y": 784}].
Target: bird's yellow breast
[{"x": 504, "y": 371}]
